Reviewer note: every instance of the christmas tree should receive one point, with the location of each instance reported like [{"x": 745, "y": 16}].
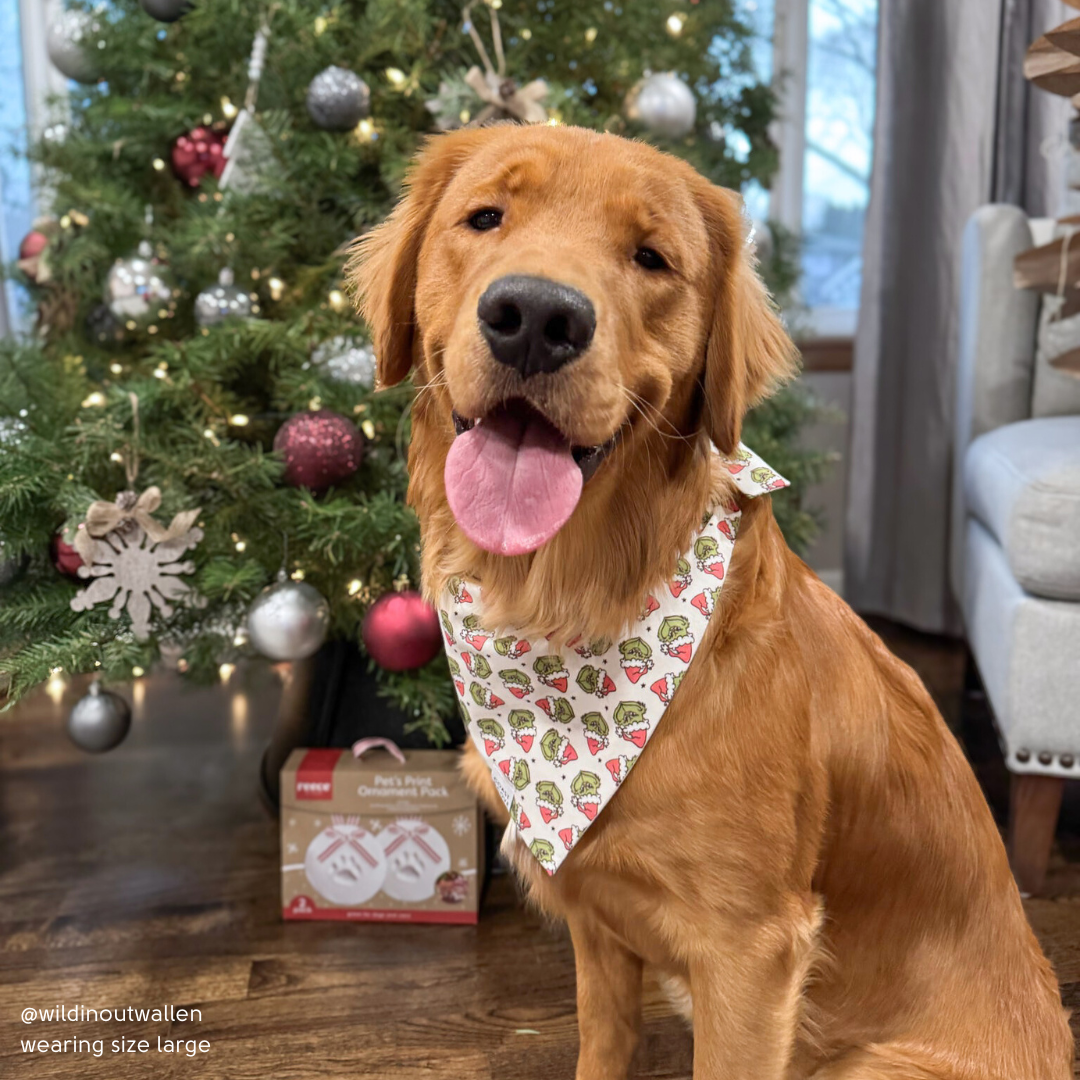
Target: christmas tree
[{"x": 193, "y": 417}]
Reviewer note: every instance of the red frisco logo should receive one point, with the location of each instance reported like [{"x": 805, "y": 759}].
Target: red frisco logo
[{"x": 315, "y": 774}]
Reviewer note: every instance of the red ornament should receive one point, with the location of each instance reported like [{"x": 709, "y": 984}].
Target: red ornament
[
  {"x": 65, "y": 558},
  {"x": 199, "y": 152},
  {"x": 401, "y": 631},
  {"x": 34, "y": 243},
  {"x": 320, "y": 449}
]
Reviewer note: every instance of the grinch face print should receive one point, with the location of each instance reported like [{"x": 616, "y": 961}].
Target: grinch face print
[
  {"x": 676, "y": 638},
  {"x": 523, "y": 728},
  {"x": 511, "y": 647},
  {"x": 544, "y": 852},
  {"x": 551, "y": 671},
  {"x": 593, "y": 680},
  {"x": 492, "y": 734},
  {"x": 709, "y": 557},
  {"x": 585, "y": 792},
  {"x": 596, "y": 732},
  {"x": 596, "y": 647},
  {"x": 557, "y": 748},
  {"x": 632, "y": 723},
  {"x": 516, "y": 683},
  {"x": 558, "y": 708},
  {"x": 562, "y": 728},
  {"x": 636, "y": 658},
  {"x": 477, "y": 665}
]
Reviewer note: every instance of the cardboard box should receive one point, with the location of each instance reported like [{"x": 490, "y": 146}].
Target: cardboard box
[{"x": 376, "y": 840}]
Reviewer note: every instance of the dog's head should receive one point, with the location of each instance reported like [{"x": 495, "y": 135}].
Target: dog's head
[{"x": 564, "y": 293}]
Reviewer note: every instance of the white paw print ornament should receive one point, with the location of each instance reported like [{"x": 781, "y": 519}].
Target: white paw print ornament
[
  {"x": 415, "y": 857},
  {"x": 345, "y": 863}
]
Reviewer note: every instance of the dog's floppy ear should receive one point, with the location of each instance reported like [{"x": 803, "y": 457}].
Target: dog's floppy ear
[
  {"x": 748, "y": 353},
  {"x": 384, "y": 265}
]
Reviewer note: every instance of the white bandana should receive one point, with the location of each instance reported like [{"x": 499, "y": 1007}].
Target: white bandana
[{"x": 561, "y": 731}]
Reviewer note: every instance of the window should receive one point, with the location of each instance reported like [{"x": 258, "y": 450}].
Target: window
[
  {"x": 824, "y": 54},
  {"x": 27, "y": 82},
  {"x": 16, "y": 211}
]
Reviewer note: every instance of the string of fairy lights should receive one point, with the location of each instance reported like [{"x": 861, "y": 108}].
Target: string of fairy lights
[{"x": 204, "y": 149}]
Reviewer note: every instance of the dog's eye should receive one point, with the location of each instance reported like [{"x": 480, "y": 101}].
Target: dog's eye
[
  {"x": 650, "y": 259},
  {"x": 486, "y": 219}
]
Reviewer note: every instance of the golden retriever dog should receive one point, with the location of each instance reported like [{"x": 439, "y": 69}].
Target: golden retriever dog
[{"x": 801, "y": 851}]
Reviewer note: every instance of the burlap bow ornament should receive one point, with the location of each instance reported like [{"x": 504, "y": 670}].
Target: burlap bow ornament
[
  {"x": 505, "y": 98},
  {"x": 128, "y": 511}
]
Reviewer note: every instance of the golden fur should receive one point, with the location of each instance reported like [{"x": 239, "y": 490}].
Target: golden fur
[{"x": 802, "y": 851}]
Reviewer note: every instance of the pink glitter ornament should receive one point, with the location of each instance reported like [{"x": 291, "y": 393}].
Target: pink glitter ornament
[
  {"x": 320, "y": 449},
  {"x": 401, "y": 631},
  {"x": 33, "y": 244},
  {"x": 199, "y": 152}
]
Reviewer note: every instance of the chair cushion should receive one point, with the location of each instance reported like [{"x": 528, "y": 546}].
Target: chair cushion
[{"x": 1022, "y": 482}]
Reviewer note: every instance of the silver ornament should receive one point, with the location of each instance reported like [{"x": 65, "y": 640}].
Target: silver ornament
[
  {"x": 346, "y": 359},
  {"x": 166, "y": 10},
  {"x": 338, "y": 99},
  {"x": 140, "y": 290},
  {"x": 73, "y": 40},
  {"x": 288, "y": 620},
  {"x": 99, "y": 721},
  {"x": 665, "y": 105},
  {"x": 225, "y": 300}
]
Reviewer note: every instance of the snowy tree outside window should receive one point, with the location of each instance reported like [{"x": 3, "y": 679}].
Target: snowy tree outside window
[{"x": 825, "y": 61}]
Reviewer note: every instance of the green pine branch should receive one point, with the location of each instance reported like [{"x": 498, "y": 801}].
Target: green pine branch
[{"x": 210, "y": 400}]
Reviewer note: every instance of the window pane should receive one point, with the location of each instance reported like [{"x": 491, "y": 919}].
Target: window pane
[
  {"x": 16, "y": 210},
  {"x": 760, "y": 15},
  {"x": 840, "y": 97}
]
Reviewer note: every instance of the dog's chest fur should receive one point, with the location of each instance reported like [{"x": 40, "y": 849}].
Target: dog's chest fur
[{"x": 685, "y": 833}]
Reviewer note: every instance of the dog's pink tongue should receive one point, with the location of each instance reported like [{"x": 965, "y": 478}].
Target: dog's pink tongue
[{"x": 512, "y": 483}]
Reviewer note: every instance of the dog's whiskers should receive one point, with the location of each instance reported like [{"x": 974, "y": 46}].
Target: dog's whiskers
[
  {"x": 431, "y": 384},
  {"x": 640, "y": 404},
  {"x": 423, "y": 388}
]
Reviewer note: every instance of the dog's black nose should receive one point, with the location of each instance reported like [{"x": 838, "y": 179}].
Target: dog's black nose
[{"x": 534, "y": 324}]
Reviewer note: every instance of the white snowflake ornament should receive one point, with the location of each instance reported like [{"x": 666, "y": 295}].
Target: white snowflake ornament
[{"x": 138, "y": 574}]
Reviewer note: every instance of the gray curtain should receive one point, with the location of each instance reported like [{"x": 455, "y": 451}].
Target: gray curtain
[
  {"x": 1029, "y": 150},
  {"x": 956, "y": 128}
]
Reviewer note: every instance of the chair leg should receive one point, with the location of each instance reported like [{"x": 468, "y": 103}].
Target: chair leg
[{"x": 1034, "y": 804}]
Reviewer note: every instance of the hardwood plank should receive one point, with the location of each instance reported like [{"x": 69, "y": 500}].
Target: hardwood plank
[{"x": 188, "y": 980}]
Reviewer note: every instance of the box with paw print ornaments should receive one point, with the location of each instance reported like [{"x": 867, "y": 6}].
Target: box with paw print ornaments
[{"x": 379, "y": 837}]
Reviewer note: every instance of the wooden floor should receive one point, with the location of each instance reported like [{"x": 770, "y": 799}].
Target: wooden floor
[{"x": 148, "y": 877}]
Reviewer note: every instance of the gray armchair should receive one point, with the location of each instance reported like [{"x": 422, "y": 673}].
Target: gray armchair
[{"x": 1015, "y": 560}]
